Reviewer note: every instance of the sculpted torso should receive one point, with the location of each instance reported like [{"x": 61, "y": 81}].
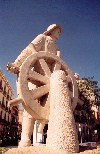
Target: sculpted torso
[{"x": 44, "y": 43}]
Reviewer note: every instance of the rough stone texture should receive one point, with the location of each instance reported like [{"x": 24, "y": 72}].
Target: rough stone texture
[
  {"x": 44, "y": 65},
  {"x": 37, "y": 63},
  {"x": 27, "y": 127},
  {"x": 35, "y": 150},
  {"x": 61, "y": 132},
  {"x": 45, "y": 43},
  {"x": 30, "y": 92},
  {"x": 45, "y": 150},
  {"x": 42, "y": 42}
]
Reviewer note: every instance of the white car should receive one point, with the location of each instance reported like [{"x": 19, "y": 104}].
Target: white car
[{"x": 89, "y": 144}]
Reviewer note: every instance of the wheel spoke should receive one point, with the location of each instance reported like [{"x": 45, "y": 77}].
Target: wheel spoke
[
  {"x": 57, "y": 66},
  {"x": 45, "y": 67},
  {"x": 40, "y": 91},
  {"x": 38, "y": 77}
]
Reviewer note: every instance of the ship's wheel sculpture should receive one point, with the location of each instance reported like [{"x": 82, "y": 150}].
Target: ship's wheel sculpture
[{"x": 34, "y": 77}]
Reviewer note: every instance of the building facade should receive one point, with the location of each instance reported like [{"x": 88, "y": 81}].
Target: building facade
[{"x": 8, "y": 116}]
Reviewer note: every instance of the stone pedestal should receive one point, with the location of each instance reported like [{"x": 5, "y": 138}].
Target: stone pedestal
[{"x": 61, "y": 132}]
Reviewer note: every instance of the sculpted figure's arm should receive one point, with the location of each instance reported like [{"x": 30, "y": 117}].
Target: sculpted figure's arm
[{"x": 33, "y": 47}]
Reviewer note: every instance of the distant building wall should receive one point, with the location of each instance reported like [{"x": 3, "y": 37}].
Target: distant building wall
[{"x": 8, "y": 116}]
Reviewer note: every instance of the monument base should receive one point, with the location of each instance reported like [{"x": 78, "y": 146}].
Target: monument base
[{"x": 41, "y": 149}]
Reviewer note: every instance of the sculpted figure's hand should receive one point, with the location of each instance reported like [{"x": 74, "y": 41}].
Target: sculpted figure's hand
[{"x": 12, "y": 68}]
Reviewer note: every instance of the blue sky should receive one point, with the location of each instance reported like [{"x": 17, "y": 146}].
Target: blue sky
[{"x": 22, "y": 20}]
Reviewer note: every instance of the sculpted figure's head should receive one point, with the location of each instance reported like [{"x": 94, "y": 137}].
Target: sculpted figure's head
[{"x": 54, "y": 31}]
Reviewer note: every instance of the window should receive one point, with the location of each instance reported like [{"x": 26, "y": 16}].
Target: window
[
  {"x": 8, "y": 118},
  {"x": 5, "y": 88},
  {"x": 8, "y": 95},
  {"x": 1, "y": 114},
  {"x": 3, "y": 100},
  {"x": 6, "y": 103},
  {"x": 0, "y": 82},
  {"x": 5, "y": 116},
  {"x": 1, "y": 85}
]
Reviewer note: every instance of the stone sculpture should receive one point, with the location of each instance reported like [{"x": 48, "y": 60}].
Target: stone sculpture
[{"x": 40, "y": 70}]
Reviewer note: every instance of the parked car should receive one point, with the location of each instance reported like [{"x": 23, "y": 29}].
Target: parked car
[{"x": 87, "y": 146}]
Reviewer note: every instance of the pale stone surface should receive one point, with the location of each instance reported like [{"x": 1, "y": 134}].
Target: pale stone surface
[
  {"x": 27, "y": 129},
  {"x": 35, "y": 150},
  {"x": 45, "y": 150},
  {"x": 41, "y": 73},
  {"x": 42, "y": 42},
  {"x": 31, "y": 94},
  {"x": 31, "y": 102},
  {"x": 37, "y": 63},
  {"x": 61, "y": 132}
]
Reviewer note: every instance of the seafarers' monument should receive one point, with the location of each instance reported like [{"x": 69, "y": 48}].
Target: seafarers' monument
[{"x": 42, "y": 88}]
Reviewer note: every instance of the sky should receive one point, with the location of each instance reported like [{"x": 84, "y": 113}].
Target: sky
[{"x": 22, "y": 20}]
